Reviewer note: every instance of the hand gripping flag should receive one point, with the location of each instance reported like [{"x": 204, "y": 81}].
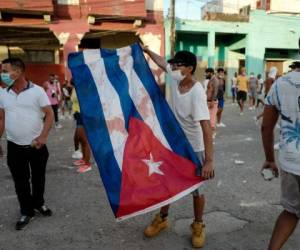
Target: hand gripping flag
[{"x": 143, "y": 156}]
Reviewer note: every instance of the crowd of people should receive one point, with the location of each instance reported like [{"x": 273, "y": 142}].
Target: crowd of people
[
  {"x": 282, "y": 100},
  {"x": 63, "y": 98},
  {"x": 254, "y": 88},
  {"x": 198, "y": 108}
]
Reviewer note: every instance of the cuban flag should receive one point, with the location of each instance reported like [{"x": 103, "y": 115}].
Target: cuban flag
[{"x": 143, "y": 156}]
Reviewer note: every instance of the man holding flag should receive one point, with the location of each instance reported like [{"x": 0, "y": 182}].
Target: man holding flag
[
  {"x": 148, "y": 155},
  {"x": 188, "y": 103}
]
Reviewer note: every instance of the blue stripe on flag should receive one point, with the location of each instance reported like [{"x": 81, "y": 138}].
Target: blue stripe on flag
[
  {"x": 75, "y": 60},
  {"x": 169, "y": 125},
  {"x": 95, "y": 127},
  {"x": 119, "y": 81},
  {"x": 108, "y": 53}
]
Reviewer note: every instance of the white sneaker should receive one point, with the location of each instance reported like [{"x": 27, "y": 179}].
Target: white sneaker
[
  {"x": 62, "y": 117},
  {"x": 214, "y": 135},
  {"x": 58, "y": 126},
  {"x": 276, "y": 146},
  {"x": 77, "y": 154},
  {"x": 221, "y": 125},
  {"x": 241, "y": 113}
]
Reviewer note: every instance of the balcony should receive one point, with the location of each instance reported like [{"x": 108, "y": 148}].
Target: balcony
[
  {"x": 26, "y": 6},
  {"x": 115, "y": 8}
]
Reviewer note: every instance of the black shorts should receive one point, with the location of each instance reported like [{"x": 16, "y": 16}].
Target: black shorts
[{"x": 241, "y": 95}]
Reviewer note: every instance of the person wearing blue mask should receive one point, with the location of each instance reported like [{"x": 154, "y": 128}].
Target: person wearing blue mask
[
  {"x": 189, "y": 105},
  {"x": 27, "y": 117}
]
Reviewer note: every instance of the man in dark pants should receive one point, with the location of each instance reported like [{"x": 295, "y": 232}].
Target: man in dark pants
[{"x": 23, "y": 106}]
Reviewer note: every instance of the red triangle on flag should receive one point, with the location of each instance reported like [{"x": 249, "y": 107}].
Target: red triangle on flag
[{"x": 151, "y": 173}]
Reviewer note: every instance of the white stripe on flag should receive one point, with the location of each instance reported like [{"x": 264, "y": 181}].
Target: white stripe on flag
[
  {"x": 110, "y": 102},
  {"x": 91, "y": 56},
  {"x": 140, "y": 96}
]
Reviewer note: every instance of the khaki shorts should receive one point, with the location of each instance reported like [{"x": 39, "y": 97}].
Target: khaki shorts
[
  {"x": 199, "y": 191},
  {"x": 290, "y": 192}
]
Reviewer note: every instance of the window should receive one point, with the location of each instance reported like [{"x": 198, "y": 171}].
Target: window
[
  {"x": 39, "y": 56},
  {"x": 68, "y": 2}
]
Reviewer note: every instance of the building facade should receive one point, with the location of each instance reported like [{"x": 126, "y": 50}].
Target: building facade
[
  {"x": 263, "y": 41},
  {"x": 279, "y": 6},
  {"x": 287, "y": 7},
  {"x": 44, "y": 32},
  {"x": 226, "y": 6}
]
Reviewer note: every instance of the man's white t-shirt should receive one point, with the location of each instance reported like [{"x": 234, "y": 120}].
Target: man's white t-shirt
[
  {"x": 190, "y": 108},
  {"x": 285, "y": 96},
  {"x": 23, "y": 113},
  {"x": 234, "y": 82},
  {"x": 205, "y": 84}
]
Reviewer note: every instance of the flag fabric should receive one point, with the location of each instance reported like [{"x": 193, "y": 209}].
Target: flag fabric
[{"x": 143, "y": 156}]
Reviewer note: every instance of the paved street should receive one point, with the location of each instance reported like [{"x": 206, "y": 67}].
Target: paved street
[{"x": 240, "y": 213}]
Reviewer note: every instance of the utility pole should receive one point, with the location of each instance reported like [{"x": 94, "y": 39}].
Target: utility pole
[{"x": 173, "y": 31}]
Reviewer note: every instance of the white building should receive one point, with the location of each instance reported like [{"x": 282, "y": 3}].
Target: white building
[
  {"x": 227, "y": 6},
  {"x": 286, "y": 6}
]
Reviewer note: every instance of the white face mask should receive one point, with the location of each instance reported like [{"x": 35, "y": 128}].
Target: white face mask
[{"x": 177, "y": 76}]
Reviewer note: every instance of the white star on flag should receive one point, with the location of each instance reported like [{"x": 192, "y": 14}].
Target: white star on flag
[{"x": 153, "y": 166}]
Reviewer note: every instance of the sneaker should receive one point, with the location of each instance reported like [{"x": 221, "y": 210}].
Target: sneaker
[
  {"x": 62, "y": 117},
  {"x": 77, "y": 154},
  {"x": 241, "y": 114},
  {"x": 198, "y": 234},
  {"x": 23, "y": 221},
  {"x": 58, "y": 126},
  {"x": 157, "y": 225},
  {"x": 214, "y": 135},
  {"x": 276, "y": 146},
  {"x": 84, "y": 168},
  {"x": 79, "y": 162},
  {"x": 221, "y": 125},
  {"x": 43, "y": 210}
]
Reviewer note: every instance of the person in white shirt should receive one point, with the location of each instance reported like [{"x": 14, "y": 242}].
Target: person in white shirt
[
  {"x": 189, "y": 104},
  {"x": 283, "y": 100},
  {"x": 23, "y": 107}
]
